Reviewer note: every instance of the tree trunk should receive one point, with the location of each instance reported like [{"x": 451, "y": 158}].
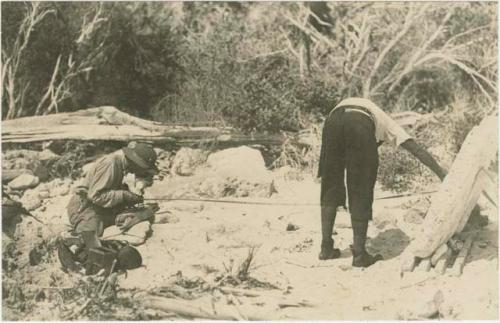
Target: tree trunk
[
  {"x": 452, "y": 204},
  {"x": 109, "y": 123}
]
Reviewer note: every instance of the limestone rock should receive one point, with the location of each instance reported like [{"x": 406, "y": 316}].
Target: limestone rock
[
  {"x": 31, "y": 200},
  {"x": 23, "y": 182},
  {"x": 241, "y": 162},
  {"x": 60, "y": 190},
  {"x": 47, "y": 155},
  {"x": 187, "y": 160}
]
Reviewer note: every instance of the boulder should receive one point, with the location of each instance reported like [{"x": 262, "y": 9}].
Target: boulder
[
  {"x": 23, "y": 182},
  {"x": 29, "y": 159},
  {"x": 187, "y": 160},
  {"x": 241, "y": 162},
  {"x": 47, "y": 155},
  {"x": 10, "y": 174},
  {"x": 234, "y": 172},
  {"x": 31, "y": 200}
]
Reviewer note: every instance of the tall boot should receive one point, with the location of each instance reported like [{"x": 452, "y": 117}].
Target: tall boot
[
  {"x": 328, "y": 214},
  {"x": 361, "y": 258}
]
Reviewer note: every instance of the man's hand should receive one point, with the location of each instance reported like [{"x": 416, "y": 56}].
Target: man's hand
[
  {"x": 132, "y": 198},
  {"x": 424, "y": 157}
]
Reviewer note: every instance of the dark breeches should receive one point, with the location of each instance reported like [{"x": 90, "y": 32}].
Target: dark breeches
[{"x": 349, "y": 145}]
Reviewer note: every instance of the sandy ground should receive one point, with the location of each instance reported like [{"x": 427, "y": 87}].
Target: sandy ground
[{"x": 208, "y": 237}]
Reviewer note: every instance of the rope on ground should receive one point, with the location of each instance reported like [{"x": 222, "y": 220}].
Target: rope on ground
[{"x": 272, "y": 203}]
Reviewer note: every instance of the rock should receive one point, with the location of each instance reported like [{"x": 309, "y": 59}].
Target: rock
[
  {"x": 47, "y": 155},
  {"x": 186, "y": 161},
  {"x": 43, "y": 194},
  {"x": 23, "y": 182},
  {"x": 241, "y": 162},
  {"x": 292, "y": 227},
  {"x": 31, "y": 200},
  {"x": 41, "y": 172},
  {"x": 158, "y": 151},
  {"x": 215, "y": 182},
  {"x": 137, "y": 235},
  {"x": 10, "y": 174},
  {"x": 60, "y": 191}
]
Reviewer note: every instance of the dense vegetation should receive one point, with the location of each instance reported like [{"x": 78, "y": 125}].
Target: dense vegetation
[{"x": 255, "y": 66}]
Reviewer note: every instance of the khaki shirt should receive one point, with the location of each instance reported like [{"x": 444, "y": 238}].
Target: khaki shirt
[
  {"x": 104, "y": 180},
  {"x": 386, "y": 129}
]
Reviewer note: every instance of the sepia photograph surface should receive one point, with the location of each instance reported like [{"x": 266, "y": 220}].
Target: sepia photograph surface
[{"x": 249, "y": 161}]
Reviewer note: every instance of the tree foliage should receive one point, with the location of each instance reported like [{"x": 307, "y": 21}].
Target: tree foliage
[{"x": 256, "y": 66}]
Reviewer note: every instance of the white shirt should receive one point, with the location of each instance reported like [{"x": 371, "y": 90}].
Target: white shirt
[{"x": 386, "y": 129}]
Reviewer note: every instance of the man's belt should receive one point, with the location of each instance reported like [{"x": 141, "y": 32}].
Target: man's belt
[{"x": 356, "y": 108}]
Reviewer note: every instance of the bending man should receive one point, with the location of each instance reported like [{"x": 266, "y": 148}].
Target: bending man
[{"x": 351, "y": 135}]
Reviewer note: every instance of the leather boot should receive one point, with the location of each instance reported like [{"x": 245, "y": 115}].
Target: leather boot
[
  {"x": 328, "y": 214},
  {"x": 361, "y": 258}
]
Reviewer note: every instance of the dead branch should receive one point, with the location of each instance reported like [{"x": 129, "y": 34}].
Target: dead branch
[
  {"x": 467, "y": 32},
  {"x": 59, "y": 89},
  {"x": 87, "y": 29},
  {"x": 50, "y": 89},
  {"x": 13, "y": 58},
  {"x": 191, "y": 308},
  {"x": 418, "y": 53},
  {"x": 410, "y": 18}
]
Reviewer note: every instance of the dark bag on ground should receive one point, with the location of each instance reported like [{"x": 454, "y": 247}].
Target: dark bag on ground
[{"x": 126, "y": 256}]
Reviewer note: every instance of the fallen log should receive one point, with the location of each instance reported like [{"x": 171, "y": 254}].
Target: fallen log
[
  {"x": 109, "y": 123},
  {"x": 194, "y": 309},
  {"x": 452, "y": 204}
]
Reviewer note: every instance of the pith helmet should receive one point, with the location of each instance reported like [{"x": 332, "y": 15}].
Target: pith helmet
[{"x": 142, "y": 155}]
